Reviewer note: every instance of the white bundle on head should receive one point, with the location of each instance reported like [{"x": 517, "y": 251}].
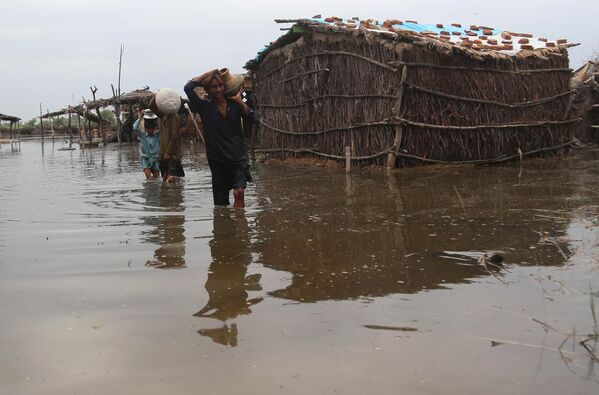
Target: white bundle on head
[{"x": 168, "y": 101}]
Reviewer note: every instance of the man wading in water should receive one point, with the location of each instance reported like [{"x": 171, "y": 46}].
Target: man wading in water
[
  {"x": 221, "y": 116},
  {"x": 169, "y": 158}
]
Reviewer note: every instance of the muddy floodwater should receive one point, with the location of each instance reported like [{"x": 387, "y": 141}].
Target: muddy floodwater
[{"x": 326, "y": 283}]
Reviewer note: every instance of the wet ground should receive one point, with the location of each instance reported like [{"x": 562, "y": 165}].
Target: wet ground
[{"x": 326, "y": 283}]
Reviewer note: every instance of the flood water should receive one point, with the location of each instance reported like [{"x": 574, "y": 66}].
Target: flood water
[{"x": 325, "y": 284}]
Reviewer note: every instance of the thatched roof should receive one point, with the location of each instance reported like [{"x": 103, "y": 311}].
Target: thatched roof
[
  {"x": 9, "y": 118},
  {"x": 73, "y": 110},
  {"x": 138, "y": 96},
  {"x": 476, "y": 41}
]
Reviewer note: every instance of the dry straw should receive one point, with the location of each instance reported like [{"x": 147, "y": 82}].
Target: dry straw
[{"x": 404, "y": 100}]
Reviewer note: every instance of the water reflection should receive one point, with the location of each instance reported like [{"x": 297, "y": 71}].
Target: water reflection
[
  {"x": 168, "y": 230},
  {"x": 369, "y": 236},
  {"x": 228, "y": 283}
]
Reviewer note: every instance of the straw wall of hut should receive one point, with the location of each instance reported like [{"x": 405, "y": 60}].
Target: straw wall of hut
[
  {"x": 403, "y": 99},
  {"x": 585, "y": 102}
]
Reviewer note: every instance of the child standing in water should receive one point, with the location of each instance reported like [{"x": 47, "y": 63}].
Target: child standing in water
[{"x": 150, "y": 142}]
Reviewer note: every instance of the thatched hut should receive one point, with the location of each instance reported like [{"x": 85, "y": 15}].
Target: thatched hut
[
  {"x": 402, "y": 93},
  {"x": 12, "y": 122}
]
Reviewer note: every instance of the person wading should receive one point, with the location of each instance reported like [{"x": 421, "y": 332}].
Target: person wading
[
  {"x": 221, "y": 116},
  {"x": 150, "y": 142},
  {"x": 166, "y": 104}
]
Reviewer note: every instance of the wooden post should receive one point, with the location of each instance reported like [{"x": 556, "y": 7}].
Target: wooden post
[
  {"x": 347, "y": 159},
  {"x": 130, "y": 137},
  {"x": 79, "y": 126},
  {"x": 120, "y": 64},
  {"x": 52, "y": 133},
  {"x": 118, "y": 91},
  {"x": 83, "y": 138},
  {"x": 392, "y": 157},
  {"x": 41, "y": 122},
  {"x": 10, "y": 130},
  {"x": 117, "y": 114},
  {"x": 87, "y": 123},
  {"x": 70, "y": 131}
]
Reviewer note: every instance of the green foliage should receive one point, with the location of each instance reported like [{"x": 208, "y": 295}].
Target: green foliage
[
  {"x": 57, "y": 122},
  {"x": 5, "y": 126},
  {"x": 108, "y": 115},
  {"x": 31, "y": 123}
]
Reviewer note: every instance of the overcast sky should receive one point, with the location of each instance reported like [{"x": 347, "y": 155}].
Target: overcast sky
[{"x": 52, "y": 51}]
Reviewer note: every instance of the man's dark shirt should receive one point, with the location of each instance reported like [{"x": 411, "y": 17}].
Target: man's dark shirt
[{"x": 224, "y": 135}]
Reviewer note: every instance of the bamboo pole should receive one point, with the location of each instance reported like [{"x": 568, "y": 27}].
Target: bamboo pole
[{"x": 392, "y": 158}]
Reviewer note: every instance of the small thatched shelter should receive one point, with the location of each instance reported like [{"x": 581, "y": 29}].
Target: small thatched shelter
[
  {"x": 402, "y": 93},
  {"x": 9, "y": 118},
  {"x": 122, "y": 104},
  {"x": 137, "y": 98},
  {"x": 12, "y": 122}
]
